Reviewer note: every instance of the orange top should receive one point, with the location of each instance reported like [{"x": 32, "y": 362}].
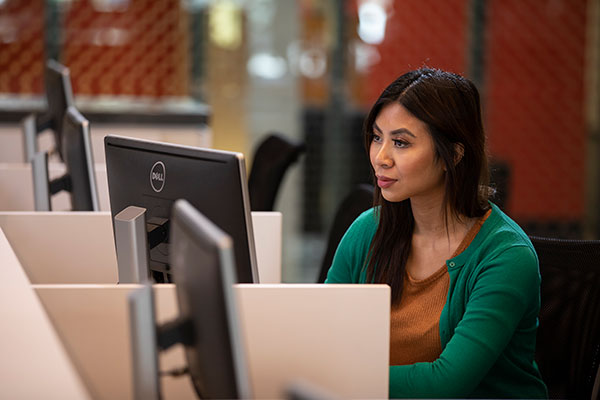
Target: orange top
[{"x": 414, "y": 324}]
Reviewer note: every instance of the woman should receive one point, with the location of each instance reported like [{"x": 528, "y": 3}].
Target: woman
[{"x": 464, "y": 277}]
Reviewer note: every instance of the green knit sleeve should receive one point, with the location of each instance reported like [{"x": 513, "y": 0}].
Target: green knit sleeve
[
  {"x": 350, "y": 256},
  {"x": 501, "y": 295}
]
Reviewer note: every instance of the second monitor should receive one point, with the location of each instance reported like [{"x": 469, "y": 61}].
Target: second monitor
[{"x": 153, "y": 175}]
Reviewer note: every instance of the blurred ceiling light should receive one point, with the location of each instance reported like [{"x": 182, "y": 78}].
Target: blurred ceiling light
[
  {"x": 365, "y": 56},
  {"x": 110, "y": 37},
  {"x": 371, "y": 22},
  {"x": 225, "y": 24},
  {"x": 267, "y": 66},
  {"x": 313, "y": 63}
]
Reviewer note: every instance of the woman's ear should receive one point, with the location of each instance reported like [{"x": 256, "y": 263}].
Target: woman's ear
[{"x": 459, "y": 152}]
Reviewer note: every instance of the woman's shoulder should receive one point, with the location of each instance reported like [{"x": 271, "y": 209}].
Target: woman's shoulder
[
  {"x": 362, "y": 229},
  {"x": 502, "y": 242},
  {"x": 368, "y": 217},
  {"x": 504, "y": 231}
]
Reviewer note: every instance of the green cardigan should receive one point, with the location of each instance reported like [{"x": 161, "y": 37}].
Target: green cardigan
[{"x": 488, "y": 324}]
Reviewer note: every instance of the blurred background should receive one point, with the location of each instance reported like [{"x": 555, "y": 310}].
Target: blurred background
[{"x": 309, "y": 70}]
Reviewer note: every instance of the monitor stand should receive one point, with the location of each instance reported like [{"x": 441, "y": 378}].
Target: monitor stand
[
  {"x": 144, "y": 352},
  {"x": 41, "y": 189},
  {"x": 29, "y": 137},
  {"x": 32, "y": 125},
  {"x": 132, "y": 245},
  {"x": 148, "y": 339},
  {"x": 134, "y": 237}
]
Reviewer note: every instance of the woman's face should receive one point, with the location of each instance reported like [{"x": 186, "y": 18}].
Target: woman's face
[{"x": 403, "y": 157}]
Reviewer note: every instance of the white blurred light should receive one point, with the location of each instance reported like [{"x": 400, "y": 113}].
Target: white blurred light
[
  {"x": 365, "y": 56},
  {"x": 110, "y": 37},
  {"x": 313, "y": 63},
  {"x": 267, "y": 66},
  {"x": 371, "y": 22},
  {"x": 225, "y": 24}
]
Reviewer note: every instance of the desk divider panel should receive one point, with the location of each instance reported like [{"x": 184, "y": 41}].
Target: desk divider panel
[
  {"x": 78, "y": 247},
  {"x": 34, "y": 363},
  {"x": 287, "y": 330},
  {"x": 267, "y": 226},
  {"x": 63, "y": 247},
  {"x": 93, "y": 323},
  {"x": 16, "y": 187}
]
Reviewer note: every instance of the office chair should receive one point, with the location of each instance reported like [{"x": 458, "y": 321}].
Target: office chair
[
  {"x": 568, "y": 337},
  {"x": 272, "y": 158},
  {"x": 357, "y": 201}
]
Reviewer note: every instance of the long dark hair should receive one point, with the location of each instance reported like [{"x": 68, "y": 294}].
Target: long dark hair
[{"x": 449, "y": 106}]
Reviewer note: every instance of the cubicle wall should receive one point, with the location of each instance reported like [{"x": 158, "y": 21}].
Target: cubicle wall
[
  {"x": 199, "y": 135},
  {"x": 16, "y": 187},
  {"x": 292, "y": 333},
  {"x": 34, "y": 364},
  {"x": 72, "y": 248}
]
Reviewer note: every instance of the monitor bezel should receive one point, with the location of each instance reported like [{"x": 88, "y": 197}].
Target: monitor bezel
[
  {"x": 203, "y": 233},
  {"x": 57, "y": 82},
  {"x": 80, "y": 126}
]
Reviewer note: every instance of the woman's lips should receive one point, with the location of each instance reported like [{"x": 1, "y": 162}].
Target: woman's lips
[{"x": 385, "y": 182}]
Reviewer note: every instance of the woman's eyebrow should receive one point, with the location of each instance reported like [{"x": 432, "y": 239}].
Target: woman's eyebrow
[{"x": 395, "y": 132}]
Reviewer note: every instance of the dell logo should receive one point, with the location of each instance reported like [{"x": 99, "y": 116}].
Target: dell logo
[{"x": 157, "y": 176}]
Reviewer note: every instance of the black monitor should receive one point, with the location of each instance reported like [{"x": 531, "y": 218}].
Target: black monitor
[
  {"x": 208, "y": 325},
  {"x": 79, "y": 179},
  {"x": 59, "y": 96},
  {"x": 153, "y": 175}
]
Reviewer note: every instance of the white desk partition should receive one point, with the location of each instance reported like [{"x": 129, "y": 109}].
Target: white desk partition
[
  {"x": 63, "y": 247},
  {"x": 16, "y": 187},
  {"x": 34, "y": 364},
  {"x": 333, "y": 336},
  {"x": 92, "y": 321},
  {"x": 267, "y": 241},
  {"x": 11, "y": 137},
  {"x": 78, "y": 247}
]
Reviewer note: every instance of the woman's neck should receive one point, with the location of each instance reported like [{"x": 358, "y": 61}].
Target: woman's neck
[{"x": 431, "y": 222}]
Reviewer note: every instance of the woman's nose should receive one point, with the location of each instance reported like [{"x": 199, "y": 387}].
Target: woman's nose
[{"x": 382, "y": 158}]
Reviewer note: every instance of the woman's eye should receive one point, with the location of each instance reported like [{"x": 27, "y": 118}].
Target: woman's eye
[
  {"x": 376, "y": 138},
  {"x": 400, "y": 143}
]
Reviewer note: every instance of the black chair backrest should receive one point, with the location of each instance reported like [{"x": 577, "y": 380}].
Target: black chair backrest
[
  {"x": 568, "y": 337},
  {"x": 357, "y": 201},
  {"x": 272, "y": 158}
]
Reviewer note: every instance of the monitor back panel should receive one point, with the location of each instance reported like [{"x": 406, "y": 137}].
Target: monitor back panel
[
  {"x": 210, "y": 180},
  {"x": 335, "y": 337}
]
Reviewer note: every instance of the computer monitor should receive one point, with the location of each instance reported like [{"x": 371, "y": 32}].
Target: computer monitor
[
  {"x": 79, "y": 179},
  {"x": 59, "y": 96},
  {"x": 204, "y": 271},
  {"x": 153, "y": 175}
]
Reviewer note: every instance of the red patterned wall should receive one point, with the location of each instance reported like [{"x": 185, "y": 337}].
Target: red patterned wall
[
  {"x": 418, "y": 33},
  {"x": 535, "y": 103},
  {"x": 141, "y": 50},
  {"x": 22, "y": 46}
]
